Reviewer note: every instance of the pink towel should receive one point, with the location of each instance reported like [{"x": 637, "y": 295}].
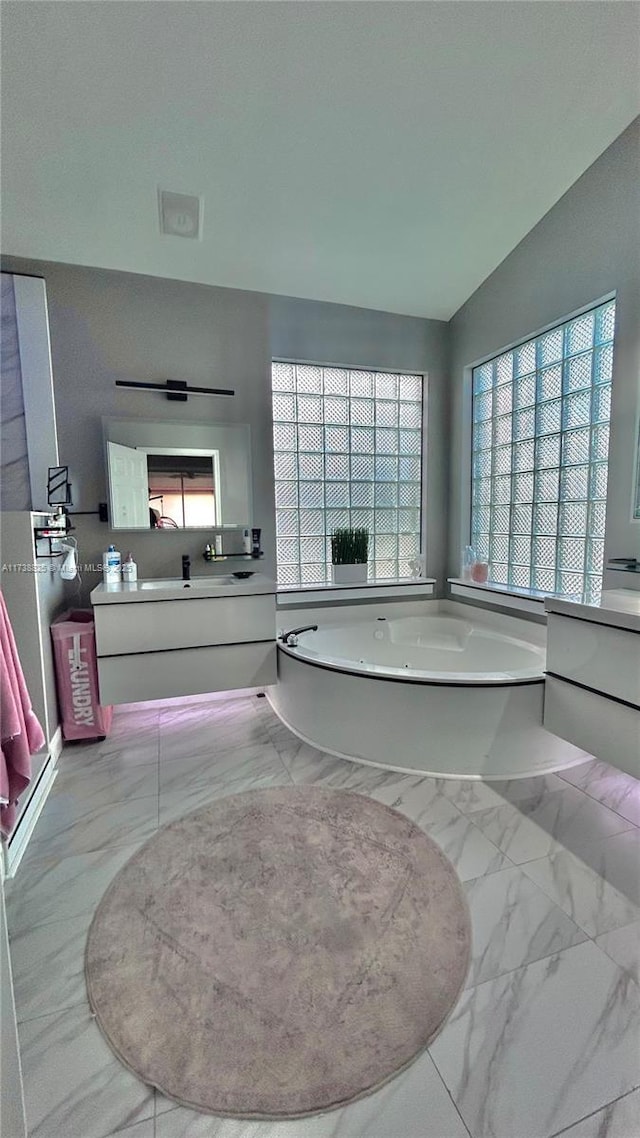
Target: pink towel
[{"x": 21, "y": 734}]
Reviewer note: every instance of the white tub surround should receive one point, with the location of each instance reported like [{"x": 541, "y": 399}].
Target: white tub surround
[
  {"x": 409, "y": 588},
  {"x": 438, "y": 695},
  {"x": 522, "y": 600},
  {"x": 593, "y": 676},
  {"x": 161, "y": 639}
]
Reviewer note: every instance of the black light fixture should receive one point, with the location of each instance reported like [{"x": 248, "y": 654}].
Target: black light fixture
[{"x": 175, "y": 389}]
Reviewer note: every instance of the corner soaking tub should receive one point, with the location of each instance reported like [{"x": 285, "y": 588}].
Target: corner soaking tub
[{"x": 435, "y": 695}]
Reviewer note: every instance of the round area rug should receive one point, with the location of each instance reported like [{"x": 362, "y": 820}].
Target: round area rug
[{"x": 280, "y": 953}]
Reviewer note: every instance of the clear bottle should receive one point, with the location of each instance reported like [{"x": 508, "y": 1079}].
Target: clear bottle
[
  {"x": 468, "y": 562},
  {"x": 218, "y": 544},
  {"x": 129, "y": 569}
]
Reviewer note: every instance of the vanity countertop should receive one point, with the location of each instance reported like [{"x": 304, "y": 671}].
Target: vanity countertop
[
  {"x": 617, "y": 607},
  {"x": 174, "y": 589}
]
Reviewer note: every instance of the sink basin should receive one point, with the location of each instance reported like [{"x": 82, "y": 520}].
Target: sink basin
[{"x": 194, "y": 583}]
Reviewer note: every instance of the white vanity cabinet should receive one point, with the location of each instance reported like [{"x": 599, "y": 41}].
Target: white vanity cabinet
[
  {"x": 157, "y": 640},
  {"x": 592, "y": 687}
]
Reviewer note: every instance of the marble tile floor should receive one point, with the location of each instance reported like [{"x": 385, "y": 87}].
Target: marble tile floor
[{"x": 545, "y": 1040}]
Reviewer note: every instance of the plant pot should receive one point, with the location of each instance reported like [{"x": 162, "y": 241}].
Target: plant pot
[{"x": 350, "y": 574}]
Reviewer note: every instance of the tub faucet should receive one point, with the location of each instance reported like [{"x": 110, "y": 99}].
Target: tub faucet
[
  {"x": 186, "y": 567},
  {"x": 291, "y": 637}
]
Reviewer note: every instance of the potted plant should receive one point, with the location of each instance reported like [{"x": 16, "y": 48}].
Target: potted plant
[{"x": 349, "y": 555}]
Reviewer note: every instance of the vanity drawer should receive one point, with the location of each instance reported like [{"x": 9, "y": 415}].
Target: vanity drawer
[
  {"x": 150, "y": 626},
  {"x": 607, "y": 659},
  {"x": 186, "y": 671},
  {"x": 596, "y": 724}
]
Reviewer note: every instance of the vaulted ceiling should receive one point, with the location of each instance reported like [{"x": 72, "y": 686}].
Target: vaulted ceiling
[{"x": 385, "y": 155}]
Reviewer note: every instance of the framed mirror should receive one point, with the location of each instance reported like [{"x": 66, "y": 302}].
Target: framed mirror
[{"x": 174, "y": 476}]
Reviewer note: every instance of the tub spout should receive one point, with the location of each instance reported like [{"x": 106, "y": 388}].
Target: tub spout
[{"x": 291, "y": 637}]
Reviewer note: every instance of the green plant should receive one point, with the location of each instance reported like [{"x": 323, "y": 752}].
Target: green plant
[{"x": 350, "y": 546}]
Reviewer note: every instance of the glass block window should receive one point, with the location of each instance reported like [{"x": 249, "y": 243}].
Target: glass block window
[
  {"x": 347, "y": 452},
  {"x": 540, "y": 450}
]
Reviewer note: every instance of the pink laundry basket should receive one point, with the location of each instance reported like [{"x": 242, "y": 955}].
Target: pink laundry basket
[{"x": 74, "y": 649}]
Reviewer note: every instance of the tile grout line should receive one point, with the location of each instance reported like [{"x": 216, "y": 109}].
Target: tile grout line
[
  {"x": 437, "y": 1069},
  {"x": 538, "y": 960},
  {"x": 36, "y": 861},
  {"x": 512, "y": 864},
  {"x": 572, "y": 853},
  {"x": 591, "y": 936},
  {"x": 551, "y": 794},
  {"x": 563, "y": 849},
  {"x": 585, "y": 1117},
  {"x": 53, "y": 1012},
  {"x": 158, "y": 827},
  {"x": 600, "y": 802}
]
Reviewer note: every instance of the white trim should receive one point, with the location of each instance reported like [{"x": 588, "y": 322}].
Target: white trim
[
  {"x": 348, "y": 367},
  {"x": 423, "y": 375},
  {"x": 466, "y": 483},
  {"x": 557, "y": 323},
  {"x": 319, "y": 594},
  {"x": 11, "y": 1075},
  {"x": 527, "y": 600},
  {"x": 15, "y": 848}
]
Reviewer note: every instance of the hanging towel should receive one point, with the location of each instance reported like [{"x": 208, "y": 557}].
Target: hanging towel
[{"x": 21, "y": 734}]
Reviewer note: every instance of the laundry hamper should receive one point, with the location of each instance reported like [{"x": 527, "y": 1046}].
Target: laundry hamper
[{"x": 74, "y": 650}]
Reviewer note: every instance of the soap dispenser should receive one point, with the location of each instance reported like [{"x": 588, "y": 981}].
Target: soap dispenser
[{"x": 129, "y": 569}]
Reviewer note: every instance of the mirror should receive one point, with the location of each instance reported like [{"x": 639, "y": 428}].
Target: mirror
[
  {"x": 183, "y": 490},
  {"x": 170, "y": 476}
]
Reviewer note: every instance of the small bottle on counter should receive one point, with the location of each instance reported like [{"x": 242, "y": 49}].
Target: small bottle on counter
[
  {"x": 111, "y": 565},
  {"x": 468, "y": 561},
  {"x": 129, "y": 569},
  {"x": 246, "y": 541},
  {"x": 218, "y": 546}
]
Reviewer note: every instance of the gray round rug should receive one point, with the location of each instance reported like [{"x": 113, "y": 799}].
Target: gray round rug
[{"x": 280, "y": 953}]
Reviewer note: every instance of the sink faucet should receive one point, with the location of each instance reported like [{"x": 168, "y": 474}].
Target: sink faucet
[{"x": 186, "y": 567}]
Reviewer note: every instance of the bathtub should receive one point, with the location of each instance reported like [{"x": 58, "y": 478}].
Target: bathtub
[{"x": 437, "y": 695}]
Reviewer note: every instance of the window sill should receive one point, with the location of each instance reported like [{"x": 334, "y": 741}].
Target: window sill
[
  {"x": 294, "y": 596},
  {"x": 525, "y": 600}
]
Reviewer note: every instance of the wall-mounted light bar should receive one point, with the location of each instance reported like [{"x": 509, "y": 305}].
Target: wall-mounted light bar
[{"x": 175, "y": 389}]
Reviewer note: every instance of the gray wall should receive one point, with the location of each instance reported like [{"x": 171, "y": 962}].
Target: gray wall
[
  {"x": 586, "y": 247},
  {"x": 107, "y": 325}
]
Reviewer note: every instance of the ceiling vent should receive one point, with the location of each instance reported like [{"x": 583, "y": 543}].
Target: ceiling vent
[{"x": 180, "y": 214}]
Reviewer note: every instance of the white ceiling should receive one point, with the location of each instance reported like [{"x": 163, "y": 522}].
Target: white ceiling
[{"x": 386, "y": 155}]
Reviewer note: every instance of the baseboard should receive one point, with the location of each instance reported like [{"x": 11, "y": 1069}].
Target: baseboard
[{"x": 15, "y": 848}]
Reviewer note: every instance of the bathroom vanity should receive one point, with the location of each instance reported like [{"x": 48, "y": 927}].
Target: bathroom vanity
[
  {"x": 592, "y": 689},
  {"x": 164, "y": 638}
]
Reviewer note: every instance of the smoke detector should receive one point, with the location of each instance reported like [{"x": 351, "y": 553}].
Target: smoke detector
[{"x": 180, "y": 214}]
